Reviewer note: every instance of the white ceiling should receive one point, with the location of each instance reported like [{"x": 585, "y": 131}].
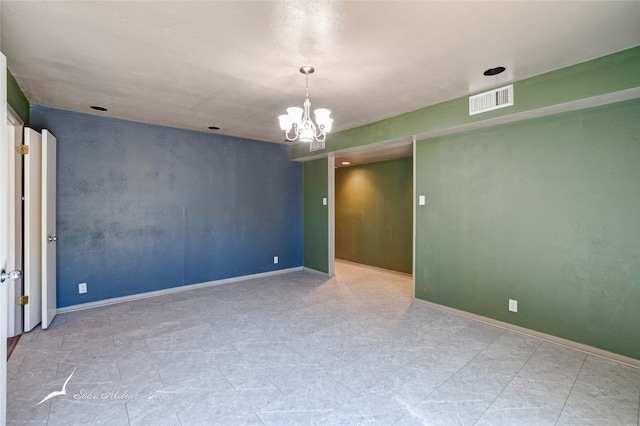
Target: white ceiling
[{"x": 234, "y": 64}]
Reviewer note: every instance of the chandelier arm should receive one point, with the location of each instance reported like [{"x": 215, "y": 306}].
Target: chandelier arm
[
  {"x": 288, "y": 136},
  {"x": 320, "y": 136}
]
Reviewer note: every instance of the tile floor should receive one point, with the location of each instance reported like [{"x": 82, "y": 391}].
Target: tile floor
[{"x": 298, "y": 349}]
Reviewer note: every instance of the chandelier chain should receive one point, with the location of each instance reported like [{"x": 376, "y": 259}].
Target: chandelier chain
[{"x": 306, "y": 83}]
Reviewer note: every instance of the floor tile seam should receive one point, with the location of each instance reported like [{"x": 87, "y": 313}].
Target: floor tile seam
[
  {"x": 454, "y": 401},
  {"x": 155, "y": 368},
  {"x": 311, "y": 410},
  {"x": 431, "y": 349},
  {"x": 408, "y": 407},
  {"x": 255, "y": 413},
  {"x": 203, "y": 349},
  {"x": 529, "y": 380},
  {"x": 489, "y": 361},
  {"x": 469, "y": 363},
  {"x": 519, "y": 409},
  {"x": 50, "y": 404},
  {"x": 587, "y": 397},
  {"x": 21, "y": 361},
  {"x": 387, "y": 373},
  {"x": 514, "y": 376},
  {"x": 584, "y": 360},
  {"x": 119, "y": 371},
  {"x": 354, "y": 394},
  {"x": 453, "y": 372},
  {"x": 179, "y": 419},
  {"x": 413, "y": 415},
  {"x": 457, "y": 371},
  {"x": 178, "y": 351},
  {"x": 126, "y": 408},
  {"x": 88, "y": 340},
  {"x": 234, "y": 387},
  {"x": 146, "y": 344}
]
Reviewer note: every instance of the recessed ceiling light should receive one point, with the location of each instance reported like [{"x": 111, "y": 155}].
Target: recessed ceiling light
[
  {"x": 214, "y": 128},
  {"x": 98, "y": 108},
  {"x": 494, "y": 71},
  {"x": 345, "y": 163}
]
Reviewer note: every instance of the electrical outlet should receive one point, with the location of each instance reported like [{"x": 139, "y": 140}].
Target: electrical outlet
[
  {"x": 513, "y": 305},
  {"x": 82, "y": 288},
  {"x": 275, "y": 259}
]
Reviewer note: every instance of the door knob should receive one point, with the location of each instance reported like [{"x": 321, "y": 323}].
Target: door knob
[
  {"x": 52, "y": 238},
  {"x": 11, "y": 276}
]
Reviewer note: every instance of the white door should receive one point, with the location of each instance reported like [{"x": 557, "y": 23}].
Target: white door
[
  {"x": 15, "y": 221},
  {"x": 49, "y": 235},
  {"x": 32, "y": 229},
  {"x": 4, "y": 232}
]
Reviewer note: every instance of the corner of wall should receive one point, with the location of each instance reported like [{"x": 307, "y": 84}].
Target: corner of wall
[
  {"x": 16, "y": 98},
  {"x": 315, "y": 211}
]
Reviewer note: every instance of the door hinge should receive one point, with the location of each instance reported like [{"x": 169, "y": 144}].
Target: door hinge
[
  {"x": 22, "y": 149},
  {"x": 22, "y": 300}
]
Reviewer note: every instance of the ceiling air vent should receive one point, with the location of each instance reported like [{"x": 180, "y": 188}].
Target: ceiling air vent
[
  {"x": 493, "y": 99},
  {"x": 316, "y": 145}
]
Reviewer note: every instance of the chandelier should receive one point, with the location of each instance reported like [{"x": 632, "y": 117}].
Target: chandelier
[{"x": 297, "y": 123}]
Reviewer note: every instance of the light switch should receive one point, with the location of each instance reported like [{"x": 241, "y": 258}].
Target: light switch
[
  {"x": 324, "y": 201},
  {"x": 422, "y": 200}
]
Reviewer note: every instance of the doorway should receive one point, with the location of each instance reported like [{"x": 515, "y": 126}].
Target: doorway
[{"x": 374, "y": 214}]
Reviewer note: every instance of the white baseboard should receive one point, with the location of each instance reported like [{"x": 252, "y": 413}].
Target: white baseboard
[
  {"x": 375, "y": 268},
  {"x": 315, "y": 271},
  {"x": 632, "y": 362},
  {"x": 171, "y": 290}
]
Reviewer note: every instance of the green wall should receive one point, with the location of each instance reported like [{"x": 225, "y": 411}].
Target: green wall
[
  {"x": 374, "y": 214},
  {"x": 16, "y": 99},
  {"x": 611, "y": 73},
  {"x": 316, "y": 215},
  {"x": 545, "y": 211}
]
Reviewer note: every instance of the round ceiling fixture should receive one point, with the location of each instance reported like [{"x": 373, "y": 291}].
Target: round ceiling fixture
[
  {"x": 98, "y": 108},
  {"x": 494, "y": 71},
  {"x": 214, "y": 128},
  {"x": 345, "y": 163},
  {"x": 307, "y": 69}
]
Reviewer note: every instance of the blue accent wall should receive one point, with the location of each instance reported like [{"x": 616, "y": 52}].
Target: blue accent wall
[{"x": 144, "y": 207}]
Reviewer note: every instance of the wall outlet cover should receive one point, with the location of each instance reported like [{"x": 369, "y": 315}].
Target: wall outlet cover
[
  {"x": 513, "y": 305},
  {"x": 275, "y": 259},
  {"x": 82, "y": 288}
]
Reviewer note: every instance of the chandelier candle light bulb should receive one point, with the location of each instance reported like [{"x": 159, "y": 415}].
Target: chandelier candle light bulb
[{"x": 299, "y": 120}]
